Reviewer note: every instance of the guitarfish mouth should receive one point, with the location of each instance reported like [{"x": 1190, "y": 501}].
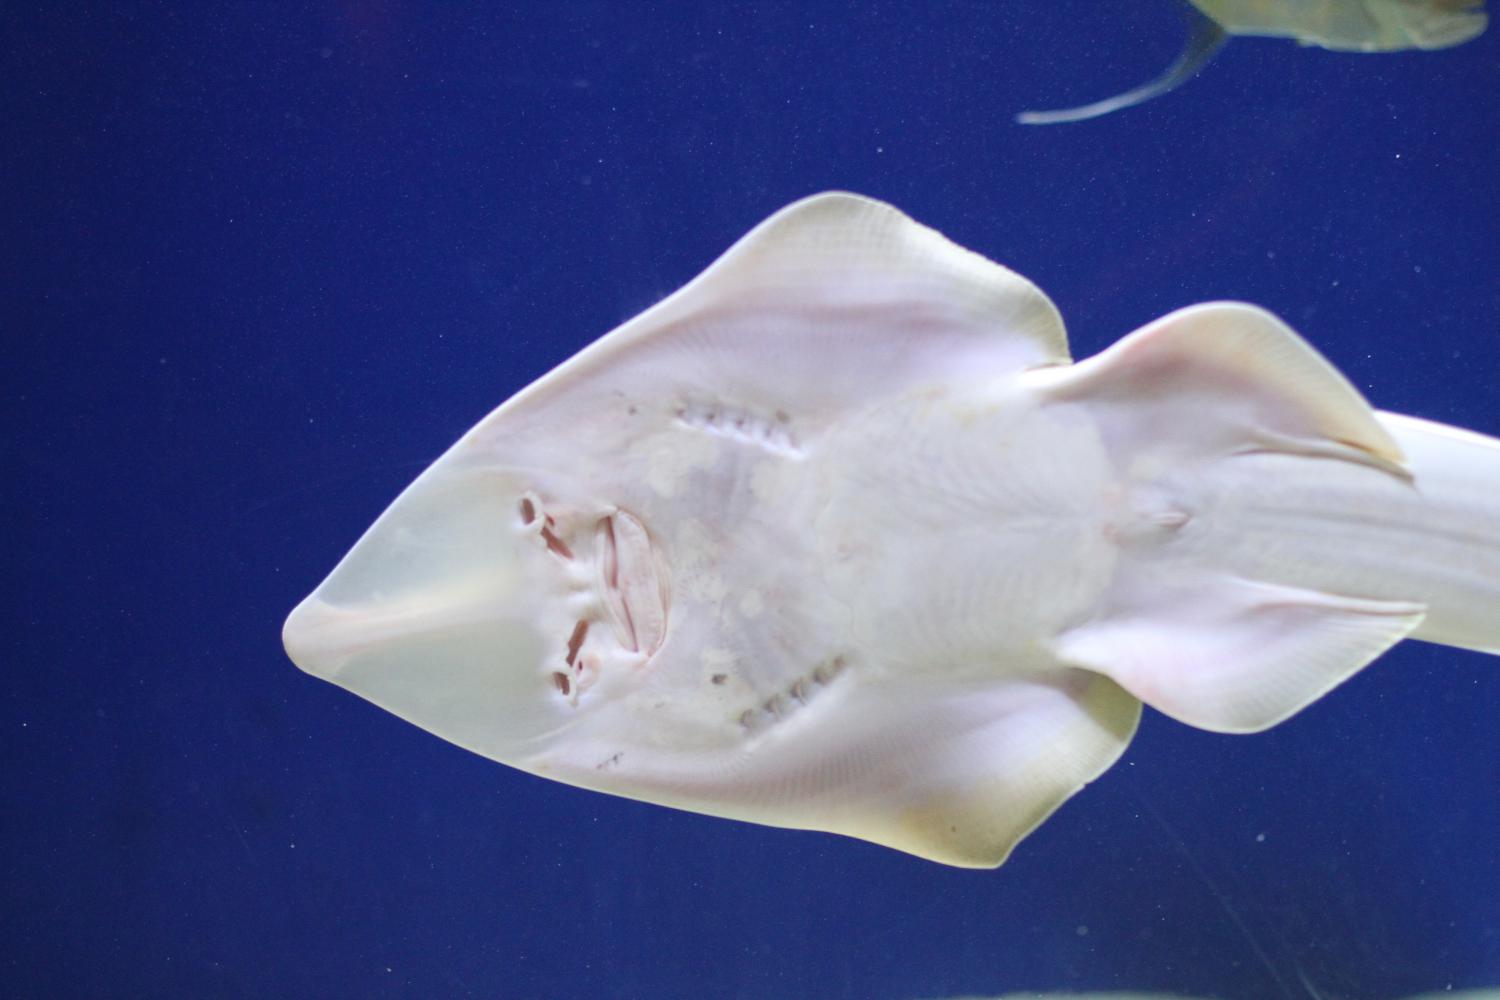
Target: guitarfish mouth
[{"x": 616, "y": 562}]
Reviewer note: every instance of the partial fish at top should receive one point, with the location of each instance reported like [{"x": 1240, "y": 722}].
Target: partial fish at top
[
  {"x": 837, "y": 537},
  {"x": 1343, "y": 25}
]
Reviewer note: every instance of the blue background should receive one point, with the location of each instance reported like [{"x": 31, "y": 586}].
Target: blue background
[{"x": 262, "y": 263}]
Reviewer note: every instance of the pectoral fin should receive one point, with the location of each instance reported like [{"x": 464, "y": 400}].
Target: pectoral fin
[{"x": 982, "y": 768}]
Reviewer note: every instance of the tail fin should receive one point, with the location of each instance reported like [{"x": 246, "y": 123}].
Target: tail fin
[
  {"x": 1205, "y": 38},
  {"x": 1457, "y": 474}
]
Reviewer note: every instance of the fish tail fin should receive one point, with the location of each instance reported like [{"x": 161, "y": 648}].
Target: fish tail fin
[
  {"x": 1456, "y": 473},
  {"x": 1205, "y": 37}
]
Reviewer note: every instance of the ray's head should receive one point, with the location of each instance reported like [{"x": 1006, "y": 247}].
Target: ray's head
[{"x": 486, "y": 608}]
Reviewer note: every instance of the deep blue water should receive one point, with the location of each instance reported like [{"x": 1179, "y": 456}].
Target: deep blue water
[{"x": 262, "y": 263}]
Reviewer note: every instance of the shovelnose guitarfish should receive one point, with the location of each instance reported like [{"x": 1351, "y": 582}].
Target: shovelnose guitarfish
[
  {"x": 1341, "y": 25},
  {"x": 837, "y": 537}
]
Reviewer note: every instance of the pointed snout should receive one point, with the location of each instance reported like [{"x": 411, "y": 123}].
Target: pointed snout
[
  {"x": 316, "y": 637},
  {"x": 465, "y": 665},
  {"x": 439, "y": 615},
  {"x": 321, "y": 638}
]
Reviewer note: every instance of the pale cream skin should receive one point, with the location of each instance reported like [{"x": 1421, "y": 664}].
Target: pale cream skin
[
  {"x": 1353, "y": 25},
  {"x": 837, "y": 537},
  {"x": 1342, "y": 25}
]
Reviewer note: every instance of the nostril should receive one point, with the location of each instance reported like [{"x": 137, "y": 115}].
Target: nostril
[
  {"x": 555, "y": 544},
  {"x": 575, "y": 641},
  {"x": 526, "y": 507},
  {"x": 609, "y": 558}
]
